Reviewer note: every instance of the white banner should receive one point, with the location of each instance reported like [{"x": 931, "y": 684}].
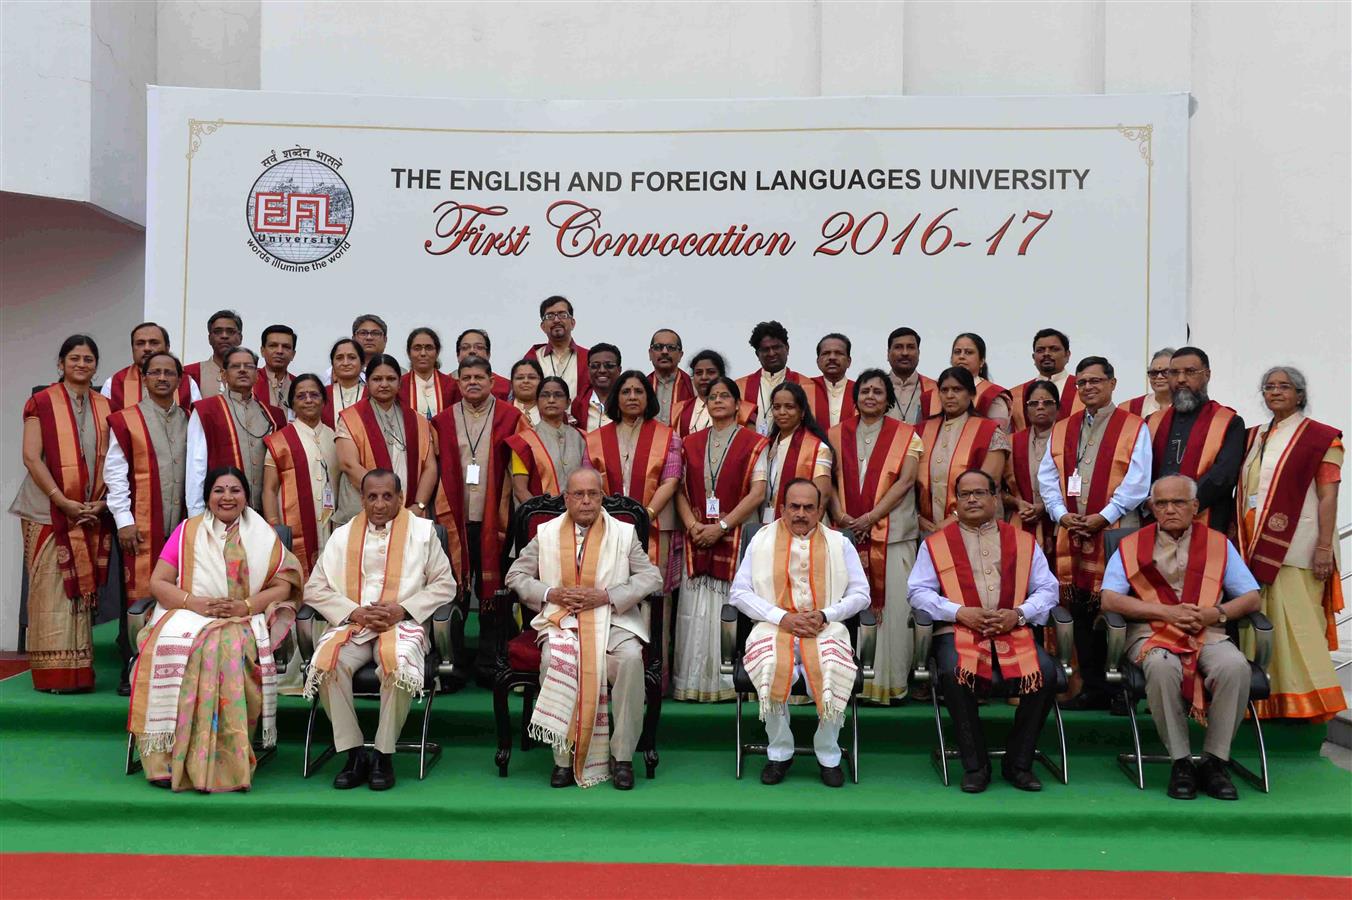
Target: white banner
[{"x": 947, "y": 214}]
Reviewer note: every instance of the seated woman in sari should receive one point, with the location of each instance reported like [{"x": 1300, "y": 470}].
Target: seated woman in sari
[{"x": 226, "y": 593}]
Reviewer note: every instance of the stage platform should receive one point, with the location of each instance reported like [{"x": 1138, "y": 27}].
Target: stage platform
[{"x": 63, "y": 791}]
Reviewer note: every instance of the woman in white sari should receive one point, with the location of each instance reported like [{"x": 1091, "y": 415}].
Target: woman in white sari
[{"x": 226, "y": 593}]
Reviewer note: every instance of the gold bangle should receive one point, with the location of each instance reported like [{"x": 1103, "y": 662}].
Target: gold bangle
[
  {"x": 53, "y": 492},
  {"x": 186, "y": 597},
  {"x": 248, "y": 606}
]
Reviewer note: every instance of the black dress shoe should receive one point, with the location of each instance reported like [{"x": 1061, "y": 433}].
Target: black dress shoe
[
  {"x": 1085, "y": 700},
  {"x": 832, "y": 776},
  {"x": 382, "y": 771},
  {"x": 356, "y": 772},
  {"x": 562, "y": 777},
  {"x": 1023, "y": 779},
  {"x": 774, "y": 771},
  {"x": 976, "y": 782},
  {"x": 1183, "y": 780},
  {"x": 623, "y": 776},
  {"x": 1215, "y": 780},
  {"x": 1118, "y": 705},
  {"x": 124, "y": 688}
]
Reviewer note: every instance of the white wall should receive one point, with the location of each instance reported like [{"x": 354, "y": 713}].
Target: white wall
[
  {"x": 1269, "y": 226},
  {"x": 67, "y": 269}
]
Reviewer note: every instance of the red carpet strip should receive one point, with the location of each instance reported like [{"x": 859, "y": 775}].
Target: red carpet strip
[{"x": 113, "y": 875}]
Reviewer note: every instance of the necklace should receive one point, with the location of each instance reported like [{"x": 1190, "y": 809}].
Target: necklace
[{"x": 234, "y": 414}]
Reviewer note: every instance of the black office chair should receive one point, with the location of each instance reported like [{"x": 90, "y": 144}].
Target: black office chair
[
  {"x": 926, "y": 672},
  {"x": 518, "y": 651},
  {"x": 736, "y": 628},
  {"x": 138, "y": 616},
  {"x": 438, "y": 662},
  {"x": 1129, "y": 674}
]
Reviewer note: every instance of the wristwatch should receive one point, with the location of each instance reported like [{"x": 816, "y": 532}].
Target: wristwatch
[
  {"x": 1221, "y": 617},
  {"x": 723, "y": 525},
  {"x": 422, "y": 507},
  {"x": 1021, "y": 622}
]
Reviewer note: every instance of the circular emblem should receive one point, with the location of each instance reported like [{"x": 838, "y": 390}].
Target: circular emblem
[
  {"x": 1002, "y": 647},
  {"x": 299, "y": 211},
  {"x": 1278, "y": 521},
  {"x": 62, "y": 555}
]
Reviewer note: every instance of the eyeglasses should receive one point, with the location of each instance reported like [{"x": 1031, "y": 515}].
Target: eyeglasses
[
  {"x": 602, "y": 365},
  {"x": 1038, "y": 404},
  {"x": 1157, "y": 373},
  {"x": 1189, "y": 372},
  {"x": 975, "y": 494},
  {"x": 552, "y": 395},
  {"x": 309, "y": 395},
  {"x": 556, "y": 317},
  {"x": 369, "y": 333},
  {"x": 585, "y": 495},
  {"x": 1168, "y": 503},
  {"x": 223, "y": 332},
  {"x": 660, "y": 347},
  {"x": 1273, "y": 387},
  {"x": 235, "y": 367},
  {"x": 1090, "y": 382},
  {"x": 723, "y": 395}
]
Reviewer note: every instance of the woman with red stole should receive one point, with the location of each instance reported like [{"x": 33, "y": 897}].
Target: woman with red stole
[
  {"x": 227, "y": 591},
  {"x": 957, "y": 439},
  {"x": 798, "y": 448},
  {"x": 1022, "y": 494},
  {"x": 526, "y": 377},
  {"x": 1157, "y": 378},
  {"x": 347, "y": 359},
  {"x": 379, "y": 432},
  {"x": 1287, "y": 508},
  {"x": 544, "y": 457},
  {"x": 876, "y": 461},
  {"x": 63, "y": 514},
  {"x": 989, "y": 399},
  {"x": 689, "y": 416},
  {"x": 299, "y": 473},
  {"x": 425, "y": 389},
  {"x": 723, "y": 485}
]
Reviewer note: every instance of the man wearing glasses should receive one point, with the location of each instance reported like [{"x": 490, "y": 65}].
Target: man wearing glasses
[
  {"x": 476, "y": 342},
  {"x": 225, "y": 331},
  {"x": 672, "y": 386},
  {"x": 1199, "y": 438},
  {"x": 228, "y": 430},
  {"x": 603, "y": 367},
  {"x": 966, "y": 574},
  {"x": 561, "y": 355},
  {"x": 1094, "y": 475}
]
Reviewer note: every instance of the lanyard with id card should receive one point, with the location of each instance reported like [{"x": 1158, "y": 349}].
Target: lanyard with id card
[
  {"x": 327, "y": 500},
  {"x": 712, "y": 507}
]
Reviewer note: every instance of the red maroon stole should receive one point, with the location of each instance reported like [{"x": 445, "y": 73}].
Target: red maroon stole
[
  {"x": 447, "y": 391},
  {"x": 683, "y": 414},
  {"x": 127, "y": 390},
  {"x": 1203, "y": 585},
  {"x": 820, "y": 401},
  {"x": 1069, "y": 405},
  {"x": 501, "y": 388},
  {"x": 986, "y": 395},
  {"x": 1016, "y": 650},
  {"x": 1078, "y": 562},
  {"x": 930, "y": 406},
  {"x": 1136, "y": 405},
  {"x": 194, "y": 371},
  {"x": 973, "y": 444},
  {"x": 733, "y": 484},
  {"x": 650, "y": 456},
  {"x": 541, "y": 476},
  {"x": 1018, "y": 475},
  {"x": 262, "y": 389},
  {"x": 749, "y": 385},
  {"x": 450, "y": 504},
  {"x": 218, "y": 426},
  {"x": 297, "y": 495},
  {"x": 1204, "y": 442},
  {"x": 82, "y": 552},
  {"x": 1267, "y": 540},
  {"x": 370, "y": 443},
  {"x": 583, "y": 373},
  {"x": 795, "y": 459},
  {"x": 330, "y": 414},
  {"x": 884, "y": 468},
  {"x": 681, "y": 391},
  {"x": 147, "y": 497}
]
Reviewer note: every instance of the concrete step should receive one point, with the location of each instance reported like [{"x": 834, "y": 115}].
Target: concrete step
[{"x": 1340, "y": 729}]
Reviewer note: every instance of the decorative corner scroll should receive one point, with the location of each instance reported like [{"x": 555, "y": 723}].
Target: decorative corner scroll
[
  {"x": 1144, "y": 136},
  {"x": 198, "y": 129}
]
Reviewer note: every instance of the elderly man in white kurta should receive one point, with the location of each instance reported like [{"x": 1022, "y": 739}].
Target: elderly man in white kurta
[
  {"x": 800, "y": 581},
  {"x": 587, "y": 574},
  {"x": 380, "y": 576}
]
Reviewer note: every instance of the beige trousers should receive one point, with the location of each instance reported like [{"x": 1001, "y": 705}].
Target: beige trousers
[
  {"x": 624, "y": 673},
  {"x": 336, "y": 696},
  {"x": 1226, "y": 674}
]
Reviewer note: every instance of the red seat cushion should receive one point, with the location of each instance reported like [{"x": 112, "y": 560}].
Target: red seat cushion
[{"x": 523, "y": 654}]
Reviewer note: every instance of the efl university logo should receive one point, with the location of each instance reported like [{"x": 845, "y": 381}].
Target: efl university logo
[{"x": 300, "y": 211}]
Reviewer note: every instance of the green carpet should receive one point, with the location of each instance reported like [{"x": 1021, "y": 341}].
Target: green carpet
[{"x": 63, "y": 790}]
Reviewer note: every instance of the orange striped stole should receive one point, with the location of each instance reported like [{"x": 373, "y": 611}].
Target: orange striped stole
[
  {"x": 1081, "y": 562},
  {"x": 297, "y": 494},
  {"x": 387, "y": 646},
  {"x": 973, "y": 444},
  {"x": 542, "y": 478},
  {"x": 782, "y": 684},
  {"x": 1204, "y": 442},
  {"x": 986, "y": 395},
  {"x": 147, "y": 497},
  {"x": 82, "y": 552},
  {"x": 1070, "y": 403},
  {"x": 1203, "y": 586},
  {"x": 796, "y": 460},
  {"x": 650, "y": 457},
  {"x": 884, "y": 468},
  {"x": 1015, "y": 650},
  {"x": 372, "y": 451}
]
